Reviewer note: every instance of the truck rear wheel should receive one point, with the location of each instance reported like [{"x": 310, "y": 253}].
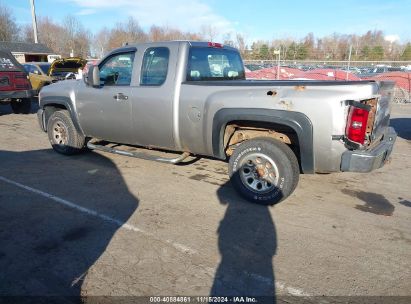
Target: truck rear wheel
[
  {"x": 264, "y": 171},
  {"x": 21, "y": 106},
  {"x": 63, "y": 135}
]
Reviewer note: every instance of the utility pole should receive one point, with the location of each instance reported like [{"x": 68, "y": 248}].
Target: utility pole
[
  {"x": 33, "y": 15},
  {"x": 278, "y": 53},
  {"x": 349, "y": 62}
]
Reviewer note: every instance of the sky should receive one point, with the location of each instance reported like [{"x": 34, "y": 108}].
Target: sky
[{"x": 256, "y": 20}]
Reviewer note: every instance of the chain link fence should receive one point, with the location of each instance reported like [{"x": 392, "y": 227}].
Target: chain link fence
[{"x": 397, "y": 71}]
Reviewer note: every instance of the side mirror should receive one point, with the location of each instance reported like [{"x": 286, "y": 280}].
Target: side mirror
[{"x": 93, "y": 76}]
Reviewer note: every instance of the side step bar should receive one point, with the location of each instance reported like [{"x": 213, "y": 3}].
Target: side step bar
[{"x": 140, "y": 155}]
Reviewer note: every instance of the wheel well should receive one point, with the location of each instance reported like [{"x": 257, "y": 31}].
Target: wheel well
[
  {"x": 49, "y": 109},
  {"x": 237, "y": 132}
]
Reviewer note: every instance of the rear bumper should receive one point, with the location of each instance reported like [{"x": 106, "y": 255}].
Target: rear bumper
[
  {"x": 16, "y": 94},
  {"x": 368, "y": 160}
]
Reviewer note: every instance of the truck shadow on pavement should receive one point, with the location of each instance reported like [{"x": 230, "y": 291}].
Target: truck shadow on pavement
[
  {"x": 247, "y": 243},
  {"x": 402, "y": 126},
  {"x": 47, "y": 247}
]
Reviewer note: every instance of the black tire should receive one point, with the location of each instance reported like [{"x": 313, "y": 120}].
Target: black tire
[
  {"x": 264, "y": 171},
  {"x": 21, "y": 106},
  {"x": 63, "y": 135}
]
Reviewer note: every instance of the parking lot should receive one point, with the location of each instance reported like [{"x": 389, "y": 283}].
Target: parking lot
[{"x": 103, "y": 224}]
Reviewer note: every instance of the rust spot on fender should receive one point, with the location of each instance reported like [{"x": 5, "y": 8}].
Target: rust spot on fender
[{"x": 288, "y": 105}]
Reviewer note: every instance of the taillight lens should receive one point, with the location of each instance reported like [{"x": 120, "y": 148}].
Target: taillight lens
[
  {"x": 21, "y": 81},
  {"x": 215, "y": 45},
  {"x": 357, "y": 125}
]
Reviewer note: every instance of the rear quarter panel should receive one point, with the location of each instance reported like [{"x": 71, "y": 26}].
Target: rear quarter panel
[{"x": 322, "y": 104}]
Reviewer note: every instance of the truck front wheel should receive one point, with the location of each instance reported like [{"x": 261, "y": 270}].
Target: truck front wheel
[
  {"x": 264, "y": 171},
  {"x": 63, "y": 135}
]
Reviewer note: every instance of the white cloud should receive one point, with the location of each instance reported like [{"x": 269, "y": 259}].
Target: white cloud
[
  {"x": 86, "y": 11},
  {"x": 187, "y": 15},
  {"x": 392, "y": 38}
]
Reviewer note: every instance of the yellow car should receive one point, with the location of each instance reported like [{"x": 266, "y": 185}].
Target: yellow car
[{"x": 45, "y": 73}]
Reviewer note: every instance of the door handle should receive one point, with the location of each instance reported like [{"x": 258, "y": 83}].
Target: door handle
[{"x": 120, "y": 96}]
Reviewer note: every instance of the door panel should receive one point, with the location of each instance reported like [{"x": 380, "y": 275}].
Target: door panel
[
  {"x": 102, "y": 116},
  {"x": 153, "y": 99},
  {"x": 106, "y": 112}
]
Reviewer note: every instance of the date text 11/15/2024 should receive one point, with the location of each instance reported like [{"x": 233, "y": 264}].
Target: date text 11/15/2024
[{"x": 203, "y": 299}]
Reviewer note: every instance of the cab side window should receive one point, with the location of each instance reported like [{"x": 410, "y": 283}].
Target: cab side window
[
  {"x": 117, "y": 70},
  {"x": 155, "y": 66}
]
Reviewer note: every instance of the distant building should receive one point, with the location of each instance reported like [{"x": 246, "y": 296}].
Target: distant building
[{"x": 27, "y": 52}]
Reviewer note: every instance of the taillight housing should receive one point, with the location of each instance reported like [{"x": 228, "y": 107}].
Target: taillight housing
[{"x": 357, "y": 124}]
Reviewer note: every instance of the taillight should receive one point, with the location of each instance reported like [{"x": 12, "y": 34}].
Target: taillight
[
  {"x": 215, "y": 45},
  {"x": 21, "y": 81},
  {"x": 357, "y": 124}
]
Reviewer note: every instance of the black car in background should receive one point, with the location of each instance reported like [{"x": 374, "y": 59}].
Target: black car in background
[{"x": 15, "y": 87}]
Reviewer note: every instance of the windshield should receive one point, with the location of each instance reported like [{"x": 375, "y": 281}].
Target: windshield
[
  {"x": 214, "y": 64},
  {"x": 45, "y": 68}
]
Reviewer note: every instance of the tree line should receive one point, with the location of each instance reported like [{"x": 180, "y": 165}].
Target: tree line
[
  {"x": 70, "y": 35},
  {"x": 371, "y": 46}
]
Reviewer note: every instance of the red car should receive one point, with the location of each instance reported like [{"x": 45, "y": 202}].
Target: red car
[{"x": 15, "y": 87}]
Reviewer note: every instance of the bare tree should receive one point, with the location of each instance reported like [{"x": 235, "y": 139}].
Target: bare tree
[
  {"x": 241, "y": 44},
  {"x": 100, "y": 42},
  {"x": 76, "y": 36},
  {"x": 209, "y": 32},
  {"x": 129, "y": 32},
  {"x": 70, "y": 35},
  {"x": 9, "y": 30},
  {"x": 26, "y": 33},
  {"x": 52, "y": 35},
  {"x": 156, "y": 33}
]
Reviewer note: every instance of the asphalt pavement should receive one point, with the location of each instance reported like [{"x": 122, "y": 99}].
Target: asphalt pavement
[{"x": 101, "y": 224}]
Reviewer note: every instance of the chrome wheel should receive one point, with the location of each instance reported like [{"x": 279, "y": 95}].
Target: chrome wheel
[
  {"x": 60, "y": 136},
  {"x": 259, "y": 173}
]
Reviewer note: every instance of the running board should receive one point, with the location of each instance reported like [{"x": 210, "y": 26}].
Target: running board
[{"x": 139, "y": 154}]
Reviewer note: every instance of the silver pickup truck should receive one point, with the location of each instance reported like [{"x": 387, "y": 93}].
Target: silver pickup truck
[{"x": 192, "y": 97}]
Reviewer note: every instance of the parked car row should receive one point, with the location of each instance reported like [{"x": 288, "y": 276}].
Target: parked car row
[
  {"x": 20, "y": 83},
  {"x": 44, "y": 73},
  {"x": 361, "y": 71}
]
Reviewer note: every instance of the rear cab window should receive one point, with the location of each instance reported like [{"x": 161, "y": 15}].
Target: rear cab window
[
  {"x": 207, "y": 63},
  {"x": 8, "y": 63},
  {"x": 155, "y": 66}
]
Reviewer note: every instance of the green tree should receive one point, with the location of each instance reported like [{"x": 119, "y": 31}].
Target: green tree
[
  {"x": 255, "y": 51},
  {"x": 406, "y": 55},
  {"x": 302, "y": 52},
  {"x": 297, "y": 51},
  {"x": 292, "y": 51},
  {"x": 377, "y": 53},
  {"x": 365, "y": 52},
  {"x": 264, "y": 52}
]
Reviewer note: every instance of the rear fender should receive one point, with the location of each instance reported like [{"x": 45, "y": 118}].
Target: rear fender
[{"x": 299, "y": 122}]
